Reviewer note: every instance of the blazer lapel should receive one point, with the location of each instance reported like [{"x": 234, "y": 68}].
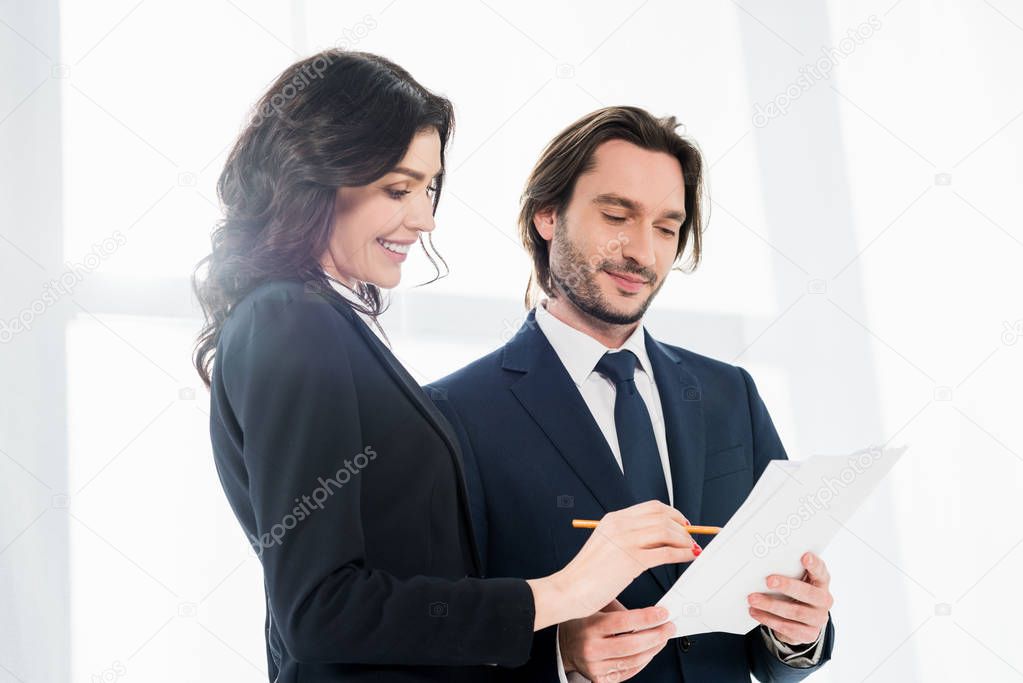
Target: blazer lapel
[
  {"x": 418, "y": 396},
  {"x": 547, "y": 393},
  {"x": 682, "y": 405}
]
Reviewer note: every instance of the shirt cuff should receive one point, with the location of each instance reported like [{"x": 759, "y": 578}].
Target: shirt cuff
[
  {"x": 575, "y": 676},
  {"x": 800, "y": 657}
]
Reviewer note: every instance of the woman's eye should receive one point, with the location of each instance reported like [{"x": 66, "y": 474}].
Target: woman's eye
[
  {"x": 667, "y": 231},
  {"x": 614, "y": 219},
  {"x": 432, "y": 190},
  {"x": 397, "y": 194}
]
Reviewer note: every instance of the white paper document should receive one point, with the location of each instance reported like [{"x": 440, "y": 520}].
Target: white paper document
[{"x": 795, "y": 507}]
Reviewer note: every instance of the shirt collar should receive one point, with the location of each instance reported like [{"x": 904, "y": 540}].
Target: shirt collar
[
  {"x": 345, "y": 291},
  {"x": 579, "y": 352},
  {"x": 351, "y": 296}
]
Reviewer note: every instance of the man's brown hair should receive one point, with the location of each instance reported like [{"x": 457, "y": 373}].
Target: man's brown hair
[{"x": 570, "y": 154}]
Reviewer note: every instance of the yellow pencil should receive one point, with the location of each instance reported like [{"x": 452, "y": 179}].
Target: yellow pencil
[{"x": 592, "y": 524}]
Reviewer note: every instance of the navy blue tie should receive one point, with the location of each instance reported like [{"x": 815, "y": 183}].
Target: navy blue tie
[{"x": 640, "y": 458}]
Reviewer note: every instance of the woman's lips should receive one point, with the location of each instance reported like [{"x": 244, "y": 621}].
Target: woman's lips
[{"x": 399, "y": 252}]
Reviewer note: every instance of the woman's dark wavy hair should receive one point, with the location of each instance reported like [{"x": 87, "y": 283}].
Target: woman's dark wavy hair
[{"x": 336, "y": 119}]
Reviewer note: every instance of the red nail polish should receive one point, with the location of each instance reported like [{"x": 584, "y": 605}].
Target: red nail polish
[{"x": 697, "y": 550}]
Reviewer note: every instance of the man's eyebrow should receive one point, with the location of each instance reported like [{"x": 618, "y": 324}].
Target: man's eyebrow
[
  {"x": 618, "y": 200},
  {"x": 632, "y": 205},
  {"x": 679, "y": 216}
]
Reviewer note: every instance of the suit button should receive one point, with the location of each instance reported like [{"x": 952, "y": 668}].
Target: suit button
[{"x": 684, "y": 643}]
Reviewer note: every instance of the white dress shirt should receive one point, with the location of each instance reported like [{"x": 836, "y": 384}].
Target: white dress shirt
[
  {"x": 350, "y": 295},
  {"x": 580, "y": 353}
]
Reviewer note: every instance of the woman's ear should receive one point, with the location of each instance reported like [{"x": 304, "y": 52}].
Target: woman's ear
[{"x": 544, "y": 220}]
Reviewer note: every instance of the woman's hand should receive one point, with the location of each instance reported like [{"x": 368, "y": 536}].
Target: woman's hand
[{"x": 625, "y": 544}]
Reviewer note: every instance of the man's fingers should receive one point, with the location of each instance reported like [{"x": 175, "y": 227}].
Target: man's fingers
[
  {"x": 800, "y": 590},
  {"x": 787, "y": 631},
  {"x": 631, "y": 644},
  {"x": 613, "y": 606},
  {"x": 817, "y": 570},
  {"x": 627, "y": 621},
  {"x": 615, "y": 675},
  {"x": 785, "y": 608},
  {"x": 627, "y": 667},
  {"x": 616, "y": 643}
]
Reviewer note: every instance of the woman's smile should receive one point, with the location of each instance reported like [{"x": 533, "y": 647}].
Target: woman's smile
[{"x": 395, "y": 250}]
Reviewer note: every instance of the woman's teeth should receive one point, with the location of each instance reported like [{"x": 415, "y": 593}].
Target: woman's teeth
[{"x": 394, "y": 246}]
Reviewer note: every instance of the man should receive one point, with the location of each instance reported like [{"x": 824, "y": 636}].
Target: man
[{"x": 582, "y": 412}]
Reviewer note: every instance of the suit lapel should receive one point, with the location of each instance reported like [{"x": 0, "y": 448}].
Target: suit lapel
[
  {"x": 682, "y": 405},
  {"x": 547, "y": 393},
  {"x": 417, "y": 395},
  {"x": 553, "y": 401}
]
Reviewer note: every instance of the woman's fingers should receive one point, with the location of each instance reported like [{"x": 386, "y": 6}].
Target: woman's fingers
[
  {"x": 649, "y": 526},
  {"x": 655, "y": 536},
  {"x": 639, "y": 516},
  {"x": 647, "y": 508},
  {"x": 626, "y": 543},
  {"x": 665, "y": 555},
  {"x": 655, "y": 507}
]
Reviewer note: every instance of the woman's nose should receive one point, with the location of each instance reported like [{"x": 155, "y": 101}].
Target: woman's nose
[{"x": 420, "y": 216}]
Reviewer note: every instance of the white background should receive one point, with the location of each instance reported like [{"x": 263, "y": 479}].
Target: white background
[{"x": 863, "y": 262}]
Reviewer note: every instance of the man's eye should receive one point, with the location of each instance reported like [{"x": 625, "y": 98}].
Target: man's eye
[
  {"x": 613, "y": 218},
  {"x": 667, "y": 231}
]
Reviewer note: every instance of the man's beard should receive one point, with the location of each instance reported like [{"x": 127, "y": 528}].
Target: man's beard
[{"x": 576, "y": 277}]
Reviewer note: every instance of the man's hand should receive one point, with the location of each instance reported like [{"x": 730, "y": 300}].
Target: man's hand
[
  {"x": 797, "y": 618},
  {"x": 603, "y": 648}
]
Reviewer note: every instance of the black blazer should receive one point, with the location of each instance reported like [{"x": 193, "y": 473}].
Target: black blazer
[{"x": 350, "y": 488}]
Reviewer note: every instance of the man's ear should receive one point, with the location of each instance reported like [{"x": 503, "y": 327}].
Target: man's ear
[{"x": 544, "y": 220}]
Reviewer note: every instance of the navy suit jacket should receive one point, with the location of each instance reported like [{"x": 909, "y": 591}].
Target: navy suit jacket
[{"x": 535, "y": 459}]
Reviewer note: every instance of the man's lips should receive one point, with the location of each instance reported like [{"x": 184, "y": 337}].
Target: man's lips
[{"x": 627, "y": 281}]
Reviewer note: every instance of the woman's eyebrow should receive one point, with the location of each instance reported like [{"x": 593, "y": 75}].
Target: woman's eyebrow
[
  {"x": 411, "y": 173},
  {"x": 414, "y": 174}
]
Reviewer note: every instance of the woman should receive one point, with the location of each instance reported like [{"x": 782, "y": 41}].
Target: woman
[{"x": 345, "y": 478}]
